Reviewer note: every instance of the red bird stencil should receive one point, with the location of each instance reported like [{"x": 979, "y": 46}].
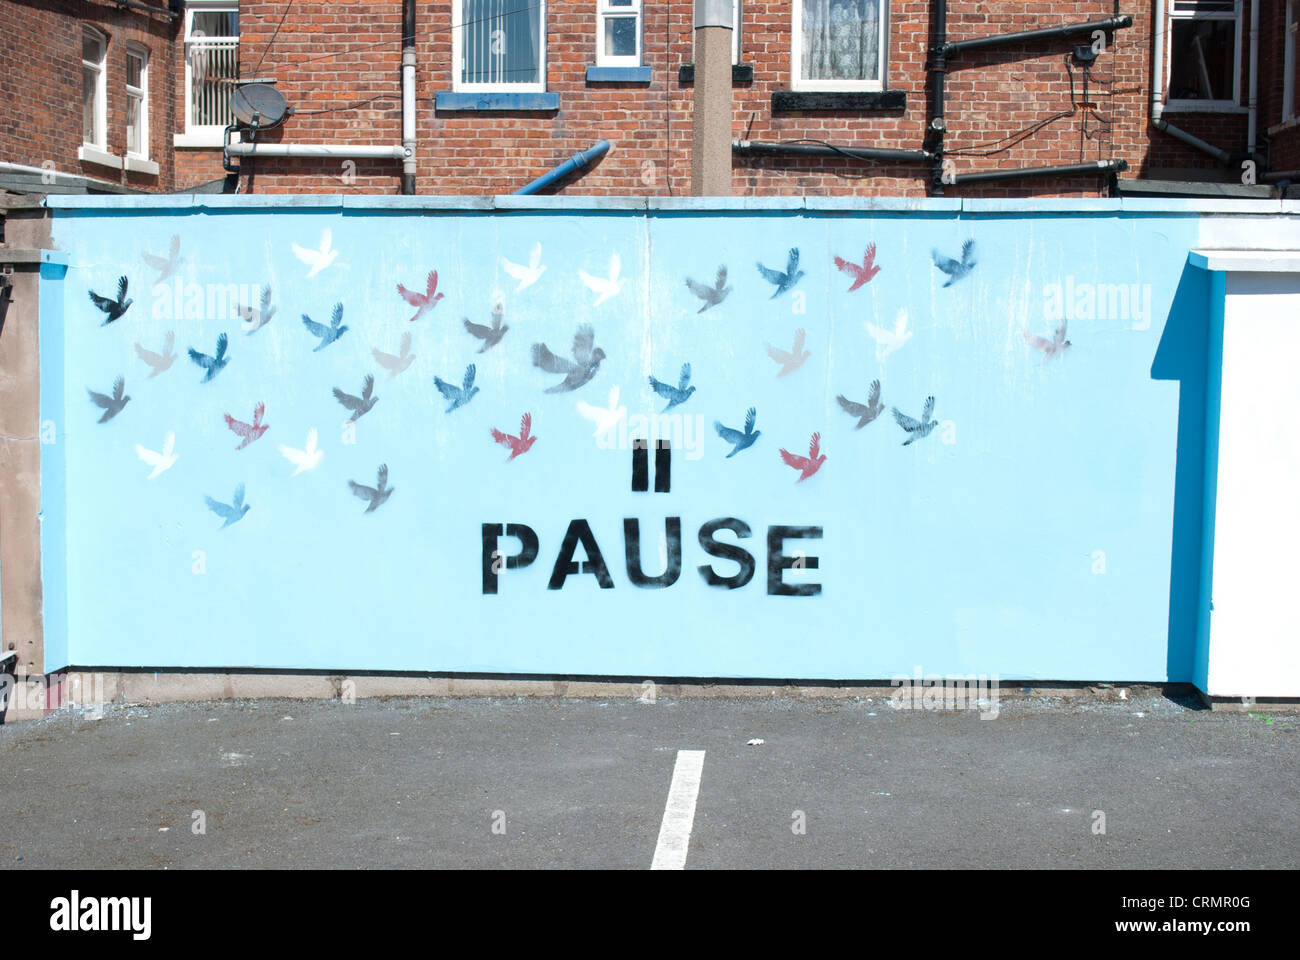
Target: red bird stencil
[
  {"x": 423, "y": 302},
  {"x": 808, "y": 465},
  {"x": 520, "y": 444},
  {"x": 860, "y": 274},
  {"x": 249, "y": 432}
]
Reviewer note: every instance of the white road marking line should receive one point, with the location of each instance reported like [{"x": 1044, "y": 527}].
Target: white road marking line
[{"x": 679, "y": 812}]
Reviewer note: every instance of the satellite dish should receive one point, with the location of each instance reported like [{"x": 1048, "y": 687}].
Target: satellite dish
[{"x": 260, "y": 100}]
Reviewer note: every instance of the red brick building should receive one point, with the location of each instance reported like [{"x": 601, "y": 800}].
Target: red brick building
[{"x": 104, "y": 94}]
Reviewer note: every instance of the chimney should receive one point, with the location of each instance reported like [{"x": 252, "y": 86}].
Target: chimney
[{"x": 711, "y": 123}]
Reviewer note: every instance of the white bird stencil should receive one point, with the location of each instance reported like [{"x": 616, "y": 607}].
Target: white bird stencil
[
  {"x": 318, "y": 260},
  {"x": 605, "y": 418},
  {"x": 528, "y": 274},
  {"x": 162, "y": 460},
  {"x": 605, "y": 287},
  {"x": 395, "y": 363},
  {"x": 887, "y": 341},
  {"x": 166, "y": 266},
  {"x": 303, "y": 459}
]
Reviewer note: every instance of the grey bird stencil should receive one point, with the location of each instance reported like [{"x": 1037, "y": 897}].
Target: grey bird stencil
[
  {"x": 358, "y": 407},
  {"x": 580, "y": 370},
  {"x": 378, "y": 494},
  {"x": 783, "y": 281},
  {"x": 794, "y": 359},
  {"x": 326, "y": 334},
  {"x": 956, "y": 269},
  {"x": 714, "y": 295},
  {"x": 112, "y": 308},
  {"x": 492, "y": 335},
  {"x": 255, "y": 318},
  {"x": 865, "y": 412},
  {"x": 396, "y": 364},
  {"x": 674, "y": 395},
  {"x": 232, "y": 512},
  {"x": 739, "y": 441},
  {"x": 113, "y": 405},
  {"x": 459, "y": 396},
  {"x": 213, "y": 365},
  {"x": 917, "y": 428},
  {"x": 1048, "y": 348},
  {"x": 167, "y": 265},
  {"x": 160, "y": 362}
]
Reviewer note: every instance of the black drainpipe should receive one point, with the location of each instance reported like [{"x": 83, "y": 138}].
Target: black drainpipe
[
  {"x": 408, "y": 46},
  {"x": 938, "y": 68}
]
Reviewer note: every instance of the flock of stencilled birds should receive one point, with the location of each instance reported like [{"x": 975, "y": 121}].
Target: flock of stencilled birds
[{"x": 576, "y": 371}]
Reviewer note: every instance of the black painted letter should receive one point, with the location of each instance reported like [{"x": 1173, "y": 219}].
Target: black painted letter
[
  {"x": 726, "y": 551},
  {"x": 579, "y": 531},
  {"x": 492, "y": 559},
  {"x": 778, "y": 562},
  {"x": 632, "y": 548}
]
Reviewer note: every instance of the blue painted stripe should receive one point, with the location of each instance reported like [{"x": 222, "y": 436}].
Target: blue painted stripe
[{"x": 447, "y": 100}]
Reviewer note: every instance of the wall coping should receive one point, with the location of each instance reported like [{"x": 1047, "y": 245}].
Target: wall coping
[{"x": 513, "y": 202}]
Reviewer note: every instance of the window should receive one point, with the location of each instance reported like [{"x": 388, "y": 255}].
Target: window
[
  {"x": 1288, "y": 59},
  {"x": 500, "y": 45},
  {"x": 618, "y": 33},
  {"x": 211, "y": 70},
  {"x": 1204, "y": 47},
  {"x": 93, "y": 104},
  {"x": 137, "y": 102},
  {"x": 839, "y": 44}
]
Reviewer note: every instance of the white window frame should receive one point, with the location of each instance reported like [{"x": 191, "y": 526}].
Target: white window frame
[
  {"x": 202, "y": 135},
  {"x": 459, "y": 85},
  {"x": 1204, "y": 106},
  {"x": 834, "y": 86},
  {"x": 735, "y": 32},
  {"x": 100, "y": 141},
  {"x": 142, "y": 93},
  {"x": 606, "y": 11},
  {"x": 1290, "y": 37}
]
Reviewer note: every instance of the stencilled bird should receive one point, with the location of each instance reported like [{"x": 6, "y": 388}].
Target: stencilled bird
[
  {"x": 492, "y": 335},
  {"x": 917, "y": 428},
  {"x": 378, "y": 494},
  {"x": 674, "y": 395},
  {"x": 863, "y": 273},
  {"x": 215, "y": 364},
  {"x": 604, "y": 287},
  {"x": 808, "y": 465},
  {"x": 305, "y": 459},
  {"x": 326, "y": 335},
  {"x": 160, "y": 460},
  {"x": 159, "y": 362},
  {"x": 739, "y": 441},
  {"x": 887, "y": 340},
  {"x": 714, "y": 295},
  {"x": 580, "y": 370},
  {"x": 793, "y": 360},
  {"x": 111, "y": 405},
  {"x": 526, "y": 274},
  {"x": 423, "y": 302},
  {"x": 248, "y": 432},
  {"x": 459, "y": 396},
  {"x": 166, "y": 266},
  {"x": 520, "y": 444},
  {"x": 865, "y": 412},
  {"x": 358, "y": 407},
  {"x": 112, "y": 309},
  {"x": 783, "y": 281},
  {"x": 396, "y": 363},
  {"x": 1048, "y": 348},
  {"x": 232, "y": 512},
  {"x": 319, "y": 258},
  {"x": 605, "y": 418},
  {"x": 255, "y": 318},
  {"x": 956, "y": 269}
]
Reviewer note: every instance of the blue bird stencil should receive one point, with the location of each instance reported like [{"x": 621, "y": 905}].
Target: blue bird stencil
[
  {"x": 674, "y": 395},
  {"x": 213, "y": 365},
  {"x": 956, "y": 269},
  {"x": 459, "y": 396},
  {"x": 740, "y": 441},
  {"x": 326, "y": 334},
  {"x": 783, "y": 281},
  {"x": 232, "y": 512}
]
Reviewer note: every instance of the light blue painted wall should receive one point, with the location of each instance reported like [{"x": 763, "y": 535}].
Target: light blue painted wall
[{"x": 971, "y": 551}]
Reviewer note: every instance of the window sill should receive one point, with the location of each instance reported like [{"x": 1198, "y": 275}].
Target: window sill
[
  {"x": 449, "y": 100},
  {"x": 1203, "y": 106},
  {"x": 91, "y": 154},
  {"x": 1286, "y": 124},
  {"x": 198, "y": 139},
  {"x": 740, "y": 73},
  {"x": 864, "y": 101},
  {"x": 618, "y": 74},
  {"x": 141, "y": 165}
]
